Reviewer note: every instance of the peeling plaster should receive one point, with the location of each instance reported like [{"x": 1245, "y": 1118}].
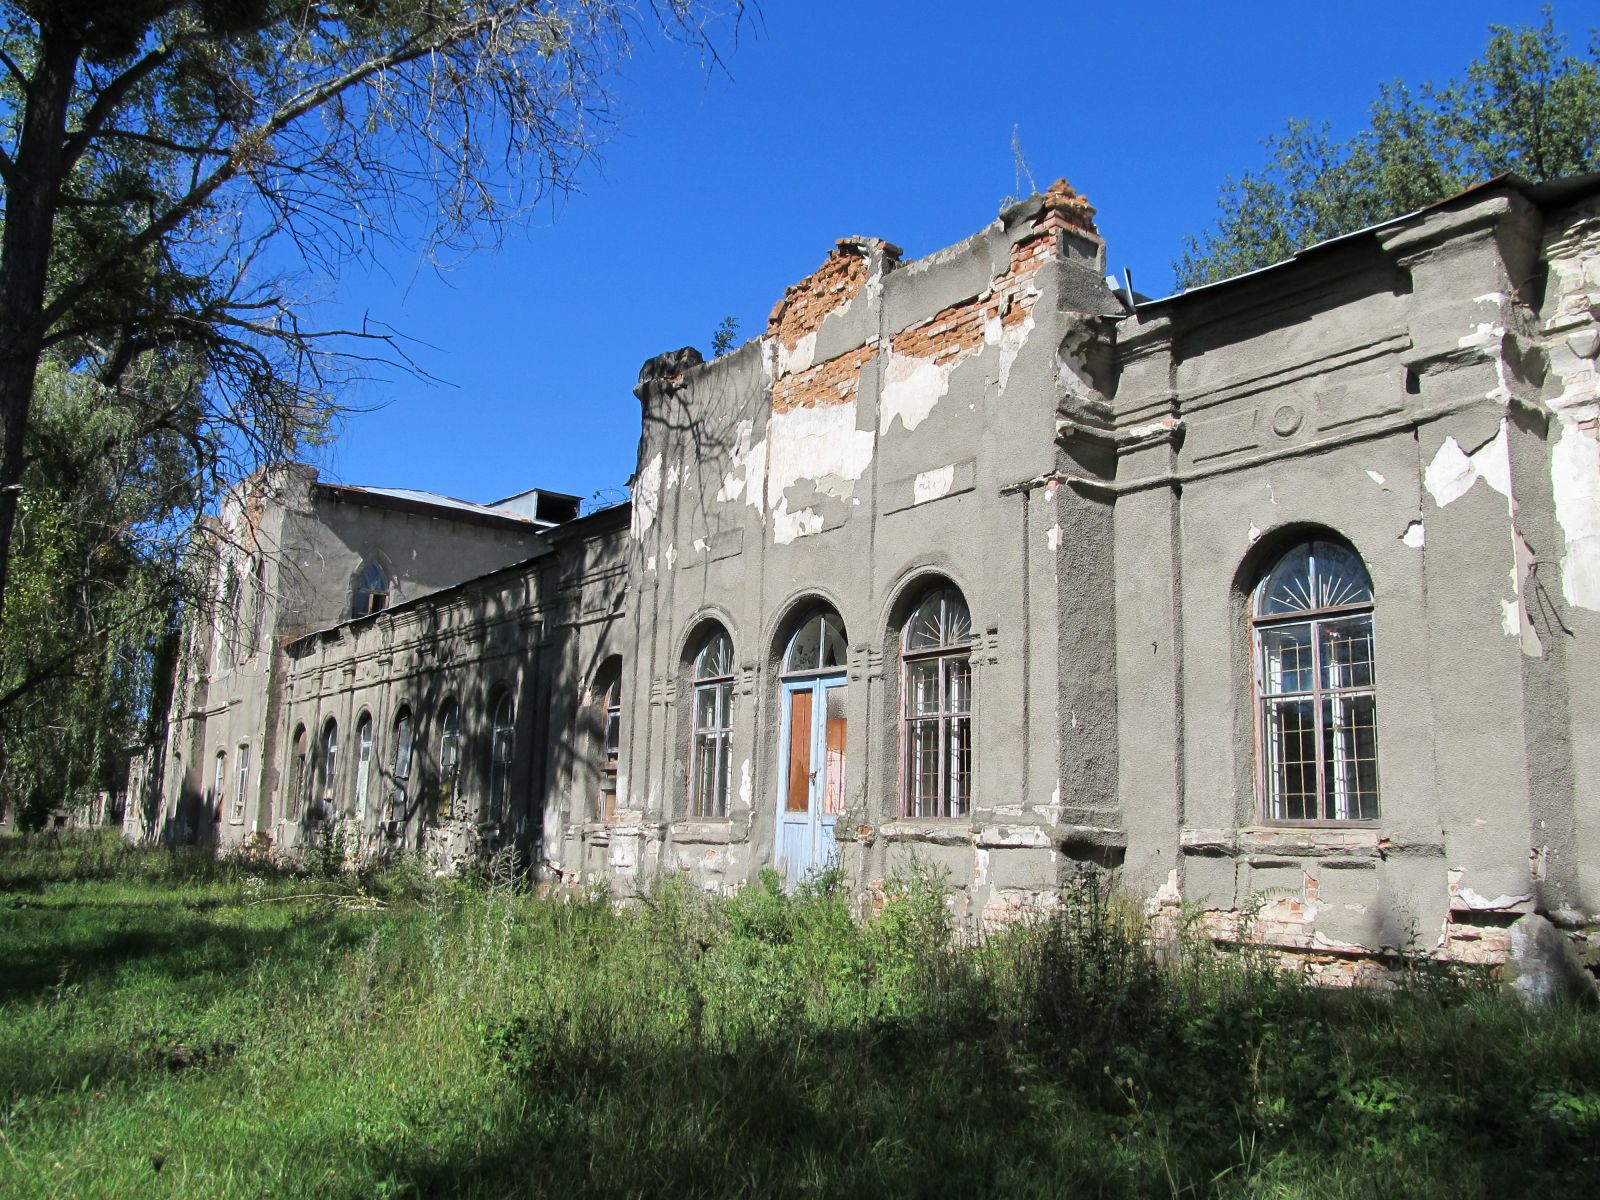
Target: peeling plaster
[
  {"x": 749, "y": 468},
  {"x": 1052, "y": 537},
  {"x": 789, "y": 526},
  {"x": 1575, "y": 474},
  {"x": 800, "y": 356},
  {"x": 745, "y": 792},
  {"x": 1377, "y": 478},
  {"x": 911, "y": 389},
  {"x": 1453, "y": 471},
  {"x": 1253, "y": 535},
  {"x": 1414, "y": 535},
  {"x": 934, "y": 484},
  {"x": 646, "y": 499},
  {"x": 821, "y": 445},
  {"x": 1012, "y": 340}
]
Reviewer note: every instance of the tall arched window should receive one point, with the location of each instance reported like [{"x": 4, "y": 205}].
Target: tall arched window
[
  {"x": 363, "y": 764},
  {"x": 608, "y": 701},
  {"x": 241, "y": 781},
  {"x": 1311, "y": 629},
  {"x": 298, "y": 778},
  {"x": 502, "y": 751},
  {"x": 936, "y": 710},
  {"x": 402, "y": 763},
  {"x": 711, "y": 752},
  {"x": 219, "y": 784},
  {"x": 328, "y": 769},
  {"x": 450, "y": 760},
  {"x": 372, "y": 591}
]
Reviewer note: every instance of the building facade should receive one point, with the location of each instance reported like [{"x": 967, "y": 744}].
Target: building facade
[{"x": 1279, "y": 598}]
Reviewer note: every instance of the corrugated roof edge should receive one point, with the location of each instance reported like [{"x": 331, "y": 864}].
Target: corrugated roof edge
[
  {"x": 424, "y": 503},
  {"x": 1545, "y": 195}
]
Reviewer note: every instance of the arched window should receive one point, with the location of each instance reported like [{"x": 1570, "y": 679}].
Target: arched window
[
  {"x": 817, "y": 645},
  {"x": 450, "y": 761},
  {"x": 502, "y": 751},
  {"x": 327, "y": 769},
  {"x": 241, "y": 782},
  {"x": 609, "y": 701},
  {"x": 403, "y": 726},
  {"x": 298, "y": 778},
  {"x": 363, "y": 764},
  {"x": 1311, "y": 629},
  {"x": 372, "y": 591},
  {"x": 219, "y": 785},
  {"x": 936, "y": 709},
  {"x": 711, "y": 753},
  {"x": 258, "y": 602}
]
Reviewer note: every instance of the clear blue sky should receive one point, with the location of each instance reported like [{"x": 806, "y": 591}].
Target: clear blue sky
[{"x": 887, "y": 118}]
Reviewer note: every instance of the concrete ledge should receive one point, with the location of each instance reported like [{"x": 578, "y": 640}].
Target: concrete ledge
[
  {"x": 706, "y": 833},
  {"x": 937, "y": 833}
]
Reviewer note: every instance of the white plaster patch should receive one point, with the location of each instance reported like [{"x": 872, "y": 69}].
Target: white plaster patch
[
  {"x": 1009, "y": 340},
  {"x": 789, "y": 526},
  {"x": 934, "y": 484},
  {"x": 1253, "y": 536},
  {"x": 1413, "y": 536},
  {"x": 671, "y": 555},
  {"x": 1453, "y": 471},
  {"x": 646, "y": 499},
  {"x": 800, "y": 357},
  {"x": 745, "y": 792},
  {"x": 701, "y": 545},
  {"x": 820, "y": 444},
  {"x": 650, "y": 563},
  {"x": 673, "y": 475},
  {"x": 1376, "y": 477},
  {"x": 1052, "y": 537},
  {"x": 911, "y": 389},
  {"x": 1575, "y": 479}
]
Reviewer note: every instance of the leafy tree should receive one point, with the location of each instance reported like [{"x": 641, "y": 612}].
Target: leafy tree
[
  {"x": 1526, "y": 106},
  {"x": 174, "y": 174}
]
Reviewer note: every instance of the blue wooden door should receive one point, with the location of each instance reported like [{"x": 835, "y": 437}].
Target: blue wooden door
[{"x": 811, "y": 778}]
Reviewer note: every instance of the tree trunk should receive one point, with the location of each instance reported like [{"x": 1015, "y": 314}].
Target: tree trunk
[{"x": 32, "y": 192}]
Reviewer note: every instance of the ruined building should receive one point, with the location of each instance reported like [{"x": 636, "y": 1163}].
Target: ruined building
[{"x": 1278, "y": 595}]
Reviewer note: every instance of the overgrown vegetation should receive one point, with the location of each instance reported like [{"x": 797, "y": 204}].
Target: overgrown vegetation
[
  {"x": 1528, "y": 105},
  {"x": 177, "y": 1026}
]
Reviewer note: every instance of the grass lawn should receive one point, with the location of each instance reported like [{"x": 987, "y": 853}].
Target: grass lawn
[{"x": 175, "y": 1026}]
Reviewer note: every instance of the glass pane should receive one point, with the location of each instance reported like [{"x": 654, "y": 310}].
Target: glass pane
[
  {"x": 958, "y": 765},
  {"x": 834, "y": 651},
  {"x": 957, "y": 621},
  {"x": 958, "y": 684},
  {"x": 503, "y": 714},
  {"x": 834, "y": 742},
  {"x": 716, "y": 659},
  {"x": 705, "y": 774},
  {"x": 798, "y": 793},
  {"x": 1340, "y": 574},
  {"x": 1286, "y": 659},
  {"x": 1287, "y": 587},
  {"x": 613, "y": 734},
  {"x": 725, "y": 693},
  {"x": 922, "y": 687},
  {"x": 705, "y": 708},
  {"x": 940, "y": 620},
  {"x": 1350, "y": 751},
  {"x": 1347, "y": 652},
  {"x": 1291, "y": 738},
  {"x": 922, "y": 767},
  {"x": 724, "y": 775},
  {"x": 805, "y": 647},
  {"x": 402, "y": 747}
]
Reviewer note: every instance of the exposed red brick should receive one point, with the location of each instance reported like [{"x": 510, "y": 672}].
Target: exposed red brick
[{"x": 832, "y": 382}]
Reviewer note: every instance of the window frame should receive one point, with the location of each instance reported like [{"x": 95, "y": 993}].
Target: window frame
[
  {"x": 241, "y": 780},
  {"x": 503, "y": 734},
  {"x": 327, "y": 775},
  {"x": 299, "y": 772},
  {"x": 363, "y": 595},
  {"x": 1317, "y": 619},
  {"x": 219, "y": 784},
  {"x": 610, "y": 746},
  {"x": 364, "y": 755},
  {"x": 718, "y": 806},
  {"x": 449, "y": 760},
  {"x": 945, "y": 720}
]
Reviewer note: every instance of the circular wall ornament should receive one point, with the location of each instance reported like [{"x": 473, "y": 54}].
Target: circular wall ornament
[{"x": 1285, "y": 420}]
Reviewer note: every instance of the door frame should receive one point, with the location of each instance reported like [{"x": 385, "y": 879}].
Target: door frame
[{"x": 819, "y": 840}]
